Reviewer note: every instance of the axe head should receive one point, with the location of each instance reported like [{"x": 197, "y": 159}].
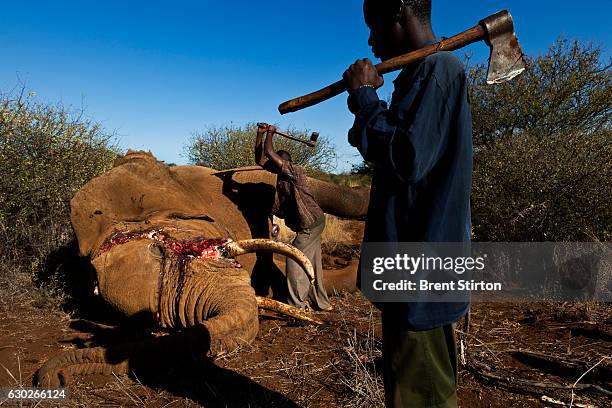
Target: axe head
[
  {"x": 506, "y": 60},
  {"x": 313, "y": 139}
]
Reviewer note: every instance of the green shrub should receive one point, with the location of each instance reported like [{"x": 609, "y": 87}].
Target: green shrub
[
  {"x": 543, "y": 149},
  {"x": 226, "y": 147},
  {"x": 534, "y": 188},
  {"x": 46, "y": 154}
]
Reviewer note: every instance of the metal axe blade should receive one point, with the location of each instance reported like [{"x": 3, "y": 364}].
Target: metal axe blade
[{"x": 506, "y": 60}]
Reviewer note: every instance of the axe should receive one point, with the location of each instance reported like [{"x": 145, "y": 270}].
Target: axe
[
  {"x": 312, "y": 142},
  {"x": 506, "y": 60}
]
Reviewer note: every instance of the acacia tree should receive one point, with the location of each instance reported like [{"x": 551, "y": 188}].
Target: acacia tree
[
  {"x": 226, "y": 147},
  {"x": 543, "y": 149}
]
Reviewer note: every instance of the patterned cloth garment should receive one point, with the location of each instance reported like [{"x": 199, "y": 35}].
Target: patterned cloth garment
[{"x": 297, "y": 205}]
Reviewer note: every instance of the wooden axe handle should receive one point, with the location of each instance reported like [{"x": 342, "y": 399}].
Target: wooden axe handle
[{"x": 467, "y": 37}]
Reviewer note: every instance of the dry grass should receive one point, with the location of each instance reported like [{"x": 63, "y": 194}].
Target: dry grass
[
  {"x": 123, "y": 391},
  {"x": 337, "y": 232},
  {"x": 364, "y": 385}
]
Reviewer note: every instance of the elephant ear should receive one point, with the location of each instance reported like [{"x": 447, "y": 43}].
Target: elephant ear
[
  {"x": 137, "y": 188},
  {"x": 252, "y": 189}
]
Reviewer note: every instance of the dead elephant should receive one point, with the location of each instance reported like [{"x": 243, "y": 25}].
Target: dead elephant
[{"x": 163, "y": 240}]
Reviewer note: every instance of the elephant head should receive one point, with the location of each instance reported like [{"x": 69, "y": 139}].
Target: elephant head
[{"x": 163, "y": 240}]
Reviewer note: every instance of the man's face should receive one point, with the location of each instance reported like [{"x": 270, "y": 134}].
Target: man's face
[{"x": 386, "y": 34}]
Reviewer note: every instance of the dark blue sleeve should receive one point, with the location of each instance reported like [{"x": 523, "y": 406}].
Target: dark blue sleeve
[{"x": 407, "y": 143}]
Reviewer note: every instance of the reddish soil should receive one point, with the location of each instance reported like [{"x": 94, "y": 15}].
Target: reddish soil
[{"x": 293, "y": 364}]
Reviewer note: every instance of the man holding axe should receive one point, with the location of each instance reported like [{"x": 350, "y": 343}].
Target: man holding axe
[
  {"x": 421, "y": 149},
  {"x": 301, "y": 213}
]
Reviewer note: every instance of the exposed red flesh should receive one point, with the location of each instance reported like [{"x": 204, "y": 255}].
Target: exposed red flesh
[{"x": 200, "y": 248}]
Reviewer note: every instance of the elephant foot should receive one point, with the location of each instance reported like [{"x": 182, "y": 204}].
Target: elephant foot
[
  {"x": 58, "y": 370},
  {"x": 123, "y": 358}
]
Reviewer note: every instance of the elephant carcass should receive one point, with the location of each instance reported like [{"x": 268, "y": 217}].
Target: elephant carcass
[{"x": 162, "y": 242}]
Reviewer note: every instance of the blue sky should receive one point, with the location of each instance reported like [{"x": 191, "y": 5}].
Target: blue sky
[{"x": 154, "y": 72}]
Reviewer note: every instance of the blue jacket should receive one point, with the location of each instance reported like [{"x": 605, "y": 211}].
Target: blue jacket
[{"x": 421, "y": 149}]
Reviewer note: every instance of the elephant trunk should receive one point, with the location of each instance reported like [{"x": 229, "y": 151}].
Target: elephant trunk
[{"x": 215, "y": 297}]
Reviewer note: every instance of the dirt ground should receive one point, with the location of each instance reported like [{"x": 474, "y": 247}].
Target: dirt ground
[{"x": 513, "y": 355}]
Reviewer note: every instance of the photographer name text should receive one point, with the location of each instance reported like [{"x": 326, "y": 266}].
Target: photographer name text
[{"x": 424, "y": 285}]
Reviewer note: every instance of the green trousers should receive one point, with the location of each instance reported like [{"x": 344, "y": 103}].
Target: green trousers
[{"x": 420, "y": 367}]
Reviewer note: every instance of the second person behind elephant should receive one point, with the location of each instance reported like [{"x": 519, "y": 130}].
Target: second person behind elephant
[{"x": 303, "y": 215}]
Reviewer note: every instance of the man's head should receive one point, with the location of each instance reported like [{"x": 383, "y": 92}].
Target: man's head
[{"x": 397, "y": 26}]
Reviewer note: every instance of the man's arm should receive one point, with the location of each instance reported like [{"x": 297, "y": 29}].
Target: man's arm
[
  {"x": 269, "y": 148},
  {"x": 259, "y": 145},
  {"x": 408, "y": 143}
]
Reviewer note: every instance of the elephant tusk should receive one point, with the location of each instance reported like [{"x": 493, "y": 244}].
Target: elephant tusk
[
  {"x": 282, "y": 308},
  {"x": 237, "y": 248}
]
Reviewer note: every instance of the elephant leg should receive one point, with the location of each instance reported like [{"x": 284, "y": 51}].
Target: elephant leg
[
  {"x": 58, "y": 370},
  {"x": 141, "y": 357}
]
